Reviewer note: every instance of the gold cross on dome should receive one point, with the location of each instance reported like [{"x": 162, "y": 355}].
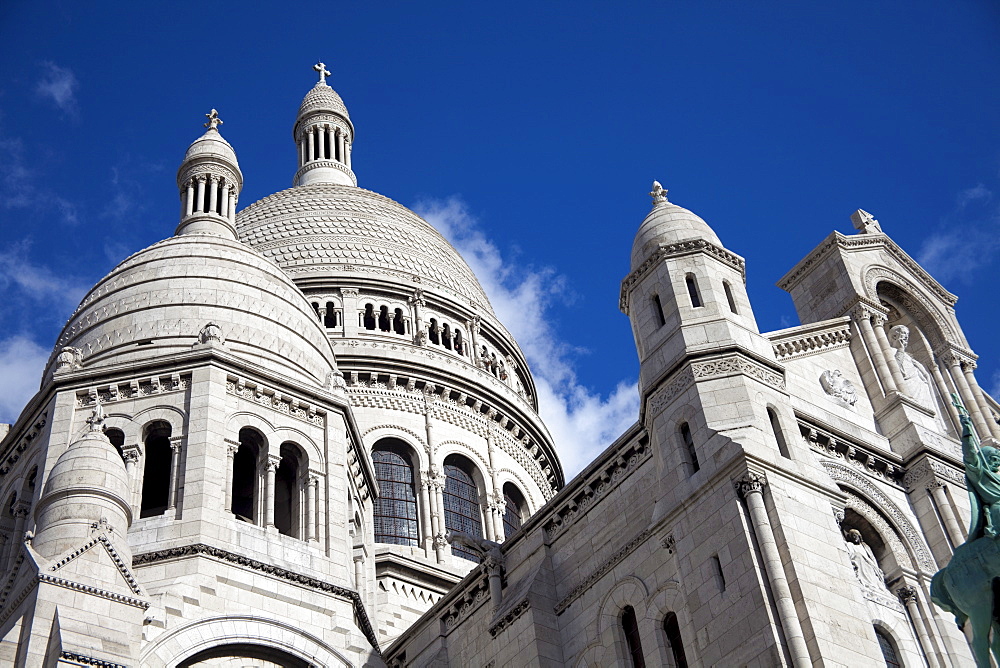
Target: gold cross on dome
[
  {"x": 213, "y": 120},
  {"x": 323, "y": 72}
]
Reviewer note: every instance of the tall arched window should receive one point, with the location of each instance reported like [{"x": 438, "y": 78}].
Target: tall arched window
[
  {"x": 513, "y": 513},
  {"x": 117, "y": 438},
  {"x": 779, "y": 437},
  {"x": 396, "y": 506},
  {"x": 330, "y": 319},
  {"x": 888, "y": 648},
  {"x": 287, "y": 490},
  {"x": 156, "y": 470},
  {"x": 446, "y": 336},
  {"x": 673, "y": 632},
  {"x": 661, "y": 320},
  {"x": 630, "y": 627},
  {"x": 729, "y": 296},
  {"x": 383, "y": 319},
  {"x": 246, "y": 477},
  {"x": 432, "y": 332},
  {"x": 398, "y": 325},
  {"x": 459, "y": 345},
  {"x": 688, "y": 442},
  {"x": 693, "y": 292},
  {"x": 461, "y": 503}
]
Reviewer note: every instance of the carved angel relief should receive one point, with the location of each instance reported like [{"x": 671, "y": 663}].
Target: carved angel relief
[{"x": 841, "y": 389}]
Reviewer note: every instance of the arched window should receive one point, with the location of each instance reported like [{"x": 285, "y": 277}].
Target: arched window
[
  {"x": 888, "y": 649},
  {"x": 446, "y": 336},
  {"x": 368, "y": 320},
  {"x": 383, "y": 319},
  {"x": 246, "y": 477},
  {"x": 330, "y": 319},
  {"x": 688, "y": 442},
  {"x": 729, "y": 296},
  {"x": 287, "y": 490},
  {"x": 693, "y": 292},
  {"x": 156, "y": 470},
  {"x": 117, "y": 438},
  {"x": 661, "y": 320},
  {"x": 396, "y": 506},
  {"x": 315, "y": 306},
  {"x": 630, "y": 627},
  {"x": 398, "y": 325},
  {"x": 772, "y": 418},
  {"x": 673, "y": 633},
  {"x": 433, "y": 331},
  {"x": 459, "y": 345},
  {"x": 461, "y": 503},
  {"x": 243, "y": 654},
  {"x": 513, "y": 513}
]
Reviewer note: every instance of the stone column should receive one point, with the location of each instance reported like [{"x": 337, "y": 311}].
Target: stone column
[
  {"x": 189, "y": 199},
  {"x": 224, "y": 207},
  {"x": 888, "y": 351},
  {"x": 943, "y": 504},
  {"x": 311, "y": 508},
  {"x": 474, "y": 326},
  {"x": 417, "y": 302},
  {"x": 131, "y": 455},
  {"x": 862, "y": 316},
  {"x": 945, "y": 392},
  {"x": 908, "y": 596},
  {"x": 200, "y": 201},
  {"x": 992, "y": 429},
  {"x": 273, "y": 461},
  {"x": 347, "y": 152},
  {"x": 302, "y": 151},
  {"x": 350, "y": 298},
  {"x": 359, "y": 572},
  {"x": 213, "y": 193},
  {"x": 232, "y": 447},
  {"x": 311, "y": 144},
  {"x": 233, "y": 198},
  {"x": 440, "y": 544},
  {"x": 175, "y": 465},
  {"x": 751, "y": 488},
  {"x": 965, "y": 392},
  {"x": 426, "y": 528},
  {"x": 21, "y": 509}
]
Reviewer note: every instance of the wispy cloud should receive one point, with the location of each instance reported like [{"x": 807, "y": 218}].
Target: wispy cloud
[
  {"x": 36, "y": 282},
  {"x": 59, "y": 86},
  {"x": 21, "y": 364},
  {"x": 19, "y": 187},
  {"x": 582, "y": 421},
  {"x": 967, "y": 239}
]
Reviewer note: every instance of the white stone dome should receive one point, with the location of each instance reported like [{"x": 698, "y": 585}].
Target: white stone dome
[
  {"x": 210, "y": 145},
  {"x": 668, "y": 223},
  {"x": 322, "y": 98},
  {"x": 319, "y": 229},
  {"x": 157, "y": 301}
]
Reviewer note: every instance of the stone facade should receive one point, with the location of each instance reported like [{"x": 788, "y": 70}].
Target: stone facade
[{"x": 286, "y": 436}]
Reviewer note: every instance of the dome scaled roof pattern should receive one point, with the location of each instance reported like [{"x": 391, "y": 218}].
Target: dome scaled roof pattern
[
  {"x": 322, "y": 98},
  {"x": 158, "y": 300},
  {"x": 668, "y": 223},
  {"x": 317, "y": 229}
]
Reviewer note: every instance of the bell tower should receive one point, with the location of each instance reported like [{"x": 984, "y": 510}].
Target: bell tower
[{"x": 324, "y": 135}]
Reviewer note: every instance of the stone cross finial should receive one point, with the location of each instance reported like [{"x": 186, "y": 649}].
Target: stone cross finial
[
  {"x": 323, "y": 72},
  {"x": 865, "y": 223},
  {"x": 658, "y": 193},
  {"x": 213, "y": 120}
]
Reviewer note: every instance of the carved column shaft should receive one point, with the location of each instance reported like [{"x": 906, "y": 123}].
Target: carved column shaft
[
  {"x": 189, "y": 199},
  {"x": 231, "y": 448},
  {"x": 945, "y": 392},
  {"x": 224, "y": 206},
  {"x": 908, "y": 595},
  {"x": 875, "y": 350},
  {"x": 213, "y": 193},
  {"x": 311, "y": 144},
  {"x": 21, "y": 510},
  {"x": 751, "y": 488},
  {"x": 272, "y": 467},
  {"x": 311, "y": 508},
  {"x": 944, "y": 506},
  {"x": 440, "y": 545},
  {"x": 200, "y": 203},
  {"x": 968, "y": 398},
  {"x": 426, "y": 531},
  {"x": 991, "y": 428},
  {"x": 175, "y": 464},
  {"x": 131, "y": 454},
  {"x": 890, "y": 353}
]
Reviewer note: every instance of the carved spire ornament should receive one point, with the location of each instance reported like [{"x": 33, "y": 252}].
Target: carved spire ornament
[
  {"x": 658, "y": 193},
  {"x": 323, "y": 72},
  {"x": 213, "y": 120}
]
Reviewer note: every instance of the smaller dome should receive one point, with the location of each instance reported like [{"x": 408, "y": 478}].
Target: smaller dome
[
  {"x": 211, "y": 145},
  {"x": 322, "y": 98},
  {"x": 666, "y": 224}
]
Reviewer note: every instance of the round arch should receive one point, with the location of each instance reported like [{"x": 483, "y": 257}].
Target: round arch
[
  {"x": 372, "y": 436},
  {"x": 913, "y": 300},
  {"x": 175, "y": 417}
]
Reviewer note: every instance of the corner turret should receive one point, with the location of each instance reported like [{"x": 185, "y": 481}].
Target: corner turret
[
  {"x": 210, "y": 182},
  {"x": 324, "y": 135}
]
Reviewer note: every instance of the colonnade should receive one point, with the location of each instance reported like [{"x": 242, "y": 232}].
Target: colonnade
[
  {"x": 208, "y": 193},
  {"x": 324, "y": 142}
]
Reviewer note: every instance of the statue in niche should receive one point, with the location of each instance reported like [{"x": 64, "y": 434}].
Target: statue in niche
[
  {"x": 915, "y": 376},
  {"x": 863, "y": 559},
  {"x": 838, "y": 387}
]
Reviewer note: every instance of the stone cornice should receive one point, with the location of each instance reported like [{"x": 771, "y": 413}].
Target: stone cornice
[
  {"x": 678, "y": 249},
  {"x": 809, "y": 339},
  {"x": 200, "y": 549},
  {"x": 861, "y": 242}
]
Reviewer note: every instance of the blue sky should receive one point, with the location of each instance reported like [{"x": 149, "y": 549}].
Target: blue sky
[{"x": 530, "y": 132}]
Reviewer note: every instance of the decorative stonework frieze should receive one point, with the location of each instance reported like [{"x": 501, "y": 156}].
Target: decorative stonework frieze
[
  {"x": 707, "y": 369},
  {"x": 85, "y": 660},
  {"x": 508, "y": 619},
  {"x": 132, "y": 389},
  {"x": 596, "y": 487},
  {"x": 811, "y": 339},
  {"x": 841, "y": 473},
  {"x": 601, "y": 571},
  {"x": 276, "y": 400},
  {"x": 198, "y": 549},
  {"x": 462, "y": 606},
  {"x": 855, "y": 453},
  {"x": 13, "y": 455},
  {"x": 677, "y": 249},
  {"x": 881, "y": 598},
  {"x": 928, "y": 470},
  {"x": 93, "y": 591}
]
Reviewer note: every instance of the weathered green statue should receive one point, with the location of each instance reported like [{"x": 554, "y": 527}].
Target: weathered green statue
[{"x": 969, "y": 586}]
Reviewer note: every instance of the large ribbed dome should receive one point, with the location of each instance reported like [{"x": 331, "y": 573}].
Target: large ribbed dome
[
  {"x": 667, "y": 224},
  {"x": 157, "y": 301},
  {"x": 311, "y": 231}
]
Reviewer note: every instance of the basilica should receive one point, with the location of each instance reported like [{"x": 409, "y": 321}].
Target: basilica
[{"x": 296, "y": 434}]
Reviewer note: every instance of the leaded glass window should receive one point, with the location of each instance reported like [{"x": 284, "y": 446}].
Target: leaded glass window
[
  {"x": 513, "y": 505},
  {"x": 888, "y": 649},
  {"x": 396, "y": 506},
  {"x": 461, "y": 507}
]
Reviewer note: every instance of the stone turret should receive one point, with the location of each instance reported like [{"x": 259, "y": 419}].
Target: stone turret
[
  {"x": 324, "y": 135},
  {"x": 210, "y": 182}
]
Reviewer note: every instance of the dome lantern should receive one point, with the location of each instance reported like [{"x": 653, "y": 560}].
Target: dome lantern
[
  {"x": 323, "y": 135},
  {"x": 210, "y": 181}
]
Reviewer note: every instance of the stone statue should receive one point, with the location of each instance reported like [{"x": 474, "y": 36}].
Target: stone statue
[
  {"x": 69, "y": 359},
  {"x": 211, "y": 334},
  {"x": 491, "y": 559},
  {"x": 965, "y": 587},
  {"x": 863, "y": 559},
  {"x": 838, "y": 387},
  {"x": 915, "y": 376}
]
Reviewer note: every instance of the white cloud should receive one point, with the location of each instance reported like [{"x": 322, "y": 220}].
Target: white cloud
[
  {"x": 59, "y": 86},
  {"x": 582, "y": 422},
  {"x": 21, "y": 364},
  {"x": 37, "y": 282},
  {"x": 967, "y": 240}
]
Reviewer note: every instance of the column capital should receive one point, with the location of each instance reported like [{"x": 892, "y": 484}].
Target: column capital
[
  {"x": 750, "y": 483},
  {"x": 273, "y": 462},
  {"x": 131, "y": 454},
  {"x": 907, "y": 594},
  {"x": 21, "y": 509},
  {"x": 231, "y": 447}
]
